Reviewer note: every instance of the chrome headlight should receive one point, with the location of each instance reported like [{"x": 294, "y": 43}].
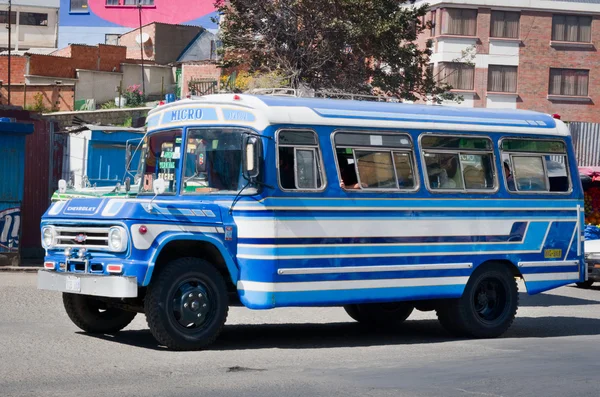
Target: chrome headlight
[
  {"x": 48, "y": 237},
  {"x": 117, "y": 239}
]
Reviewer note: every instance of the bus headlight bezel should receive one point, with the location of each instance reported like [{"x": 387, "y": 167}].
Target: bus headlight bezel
[
  {"x": 117, "y": 239},
  {"x": 48, "y": 237}
]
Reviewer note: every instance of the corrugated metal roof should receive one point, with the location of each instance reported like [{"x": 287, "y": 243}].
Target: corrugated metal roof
[{"x": 586, "y": 140}]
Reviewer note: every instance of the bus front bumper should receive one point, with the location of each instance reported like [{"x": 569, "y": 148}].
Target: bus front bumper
[{"x": 88, "y": 284}]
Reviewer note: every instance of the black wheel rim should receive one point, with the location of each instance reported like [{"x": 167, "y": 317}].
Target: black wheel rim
[
  {"x": 490, "y": 300},
  {"x": 192, "y": 307}
]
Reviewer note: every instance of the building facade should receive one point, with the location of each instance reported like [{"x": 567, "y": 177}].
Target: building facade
[
  {"x": 536, "y": 54},
  {"x": 103, "y": 21},
  {"x": 33, "y": 24}
]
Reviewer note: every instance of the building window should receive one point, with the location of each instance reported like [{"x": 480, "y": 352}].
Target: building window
[
  {"x": 33, "y": 19},
  {"x": 79, "y": 6},
  {"x": 569, "y": 82},
  {"x": 458, "y": 21},
  {"x": 459, "y": 163},
  {"x": 138, "y": 2},
  {"x": 112, "y": 2},
  {"x": 505, "y": 24},
  {"x": 459, "y": 75},
  {"x": 4, "y": 17},
  {"x": 111, "y": 39},
  {"x": 299, "y": 161},
  {"x": 433, "y": 23},
  {"x": 572, "y": 28},
  {"x": 502, "y": 78}
]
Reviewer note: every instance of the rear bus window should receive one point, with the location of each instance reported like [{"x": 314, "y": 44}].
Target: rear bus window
[
  {"x": 299, "y": 166},
  {"x": 375, "y": 161},
  {"x": 535, "y": 166},
  {"x": 459, "y": 163}
]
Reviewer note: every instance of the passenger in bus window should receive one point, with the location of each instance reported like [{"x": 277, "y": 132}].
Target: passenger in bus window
[
  {"x": 348, "y": 178},
  {"x": 510, "y": 182},
  {"x": 286, "y": 168}
]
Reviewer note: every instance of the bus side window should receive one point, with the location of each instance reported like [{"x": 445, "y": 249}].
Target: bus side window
[
  {"x": 537, "y": 165},
  {"x": 375, "y": 161},
  {"x": 458, "y": 163},
  {"x": 299, "y": 160}
]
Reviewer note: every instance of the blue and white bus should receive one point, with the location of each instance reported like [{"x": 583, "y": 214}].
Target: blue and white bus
[{"x": 379, "y": 208}]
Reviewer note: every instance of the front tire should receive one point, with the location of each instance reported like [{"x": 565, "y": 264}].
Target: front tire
[
  {"x": 380, "y": 314},
  {"x": 187, "y": 304},
  {"x": 95, "y": 316},
  {"x": 587, "y": 284},
  {"x": 487, "y": 307}
]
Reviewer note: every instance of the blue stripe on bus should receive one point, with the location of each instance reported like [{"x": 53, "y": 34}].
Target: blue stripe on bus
[
  {"x": 266, "y": 300},
  {"x": 533, "y": 242},
  {"x": 413, "y": 203}
]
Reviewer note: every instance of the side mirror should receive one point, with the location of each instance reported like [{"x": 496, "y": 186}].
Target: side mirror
[
  {"x": 62, "y": 186},
  {"x": 250, "y": 157},
  {"x": 159, "y": 186}
]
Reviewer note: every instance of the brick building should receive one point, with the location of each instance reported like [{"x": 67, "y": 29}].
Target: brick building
[
  {"x": 536, "y": 54},
  {"x": 50, "y": 80},
  {"x": 164, "y": 44}
]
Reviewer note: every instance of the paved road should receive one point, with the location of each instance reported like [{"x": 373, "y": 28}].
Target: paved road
[{"x": 553, "y": 349}]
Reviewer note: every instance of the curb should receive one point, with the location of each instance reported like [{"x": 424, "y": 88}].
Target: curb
[{"x": 20, "y": 269}]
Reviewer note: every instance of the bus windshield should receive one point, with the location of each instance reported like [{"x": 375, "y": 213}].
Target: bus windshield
[
  {"x": 213, "y": 161},
  {"x": 161, "y": 160}
]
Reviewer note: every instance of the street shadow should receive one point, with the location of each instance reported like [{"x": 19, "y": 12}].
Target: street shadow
[
  {"x": 334, "y": 335},
  {"x": 547, "y": 300}
]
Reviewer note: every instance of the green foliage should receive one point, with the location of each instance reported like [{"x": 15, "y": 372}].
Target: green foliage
[
  {"x": 247, "y": 81},
  {"x": 128, "y": 122},
  {"x": 38, "y": 104},
  {"x": 350, "y": 45},
  {"x": 109, "y": 105}
]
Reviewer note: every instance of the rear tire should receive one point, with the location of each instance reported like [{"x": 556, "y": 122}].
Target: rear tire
[
  {"x": 187, "y": 304},
  {"x": 95, "y": 316},
  {"x": 585, "y": 284},
  {"x": 380, "y": 314},
  {"x": 487, "y": 307}
]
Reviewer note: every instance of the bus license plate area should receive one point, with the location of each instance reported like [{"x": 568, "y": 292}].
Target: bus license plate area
[{"x": 73, "y": 284}]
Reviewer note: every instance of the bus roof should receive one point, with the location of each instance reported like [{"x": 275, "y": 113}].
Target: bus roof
[{"x": 269, "y": 110}]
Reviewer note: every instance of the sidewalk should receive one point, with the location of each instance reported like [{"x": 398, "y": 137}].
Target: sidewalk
[{"x": 27, "y": 266}]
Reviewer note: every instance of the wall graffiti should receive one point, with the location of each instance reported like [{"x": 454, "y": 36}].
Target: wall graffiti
[{"x": 10, "y": 225}]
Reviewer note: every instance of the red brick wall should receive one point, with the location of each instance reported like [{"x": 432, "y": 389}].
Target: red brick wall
[
  {"x": 103, "y": 57},
  {"x": 111, "y": 57},
  {"x": 18, "y": 66},
  {"x": 536, "y": 57},
  {"x": 51, "y": 66},
  {"x": 484, "y": 18},
  {"x": 57, "y": 98},
  {"x": 198, "y": 71}
]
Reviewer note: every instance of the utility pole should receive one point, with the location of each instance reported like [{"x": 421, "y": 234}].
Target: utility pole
[
  {"x": 142, "y": 47},
  {"x": 9, "y": 44}
]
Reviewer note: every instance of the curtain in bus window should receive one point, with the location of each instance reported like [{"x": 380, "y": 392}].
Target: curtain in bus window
[
  {"x": 529, "y": 173},
  {"x": 375, "y": 169}
]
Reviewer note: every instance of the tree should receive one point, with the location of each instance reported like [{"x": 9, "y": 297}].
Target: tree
[{"x": 357, "y": 46}]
